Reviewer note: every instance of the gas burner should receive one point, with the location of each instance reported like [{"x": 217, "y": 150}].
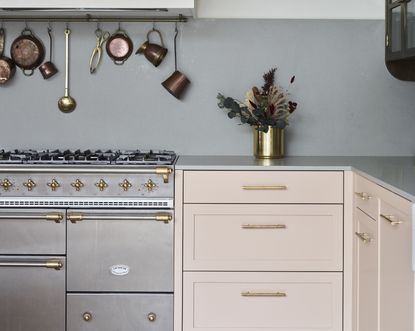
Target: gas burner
[{"x": 87, "y": 157}]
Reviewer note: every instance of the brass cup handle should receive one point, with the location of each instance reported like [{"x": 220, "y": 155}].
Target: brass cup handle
[
  {"x": 393, "y": 220},
  {"x": 364, "y": 237},
  {"x": 363, "y": 195},
  {"x": 263, "y": 226},
  {"x": 264, "y": 188},
  {"x": 263, "y": 294},
  {"x": 87, "y": 316}
]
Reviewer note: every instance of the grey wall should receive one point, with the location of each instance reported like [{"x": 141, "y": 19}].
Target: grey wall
[{"x": 348, "y": 102}]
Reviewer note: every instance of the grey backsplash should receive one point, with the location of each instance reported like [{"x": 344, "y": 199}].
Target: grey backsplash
[{"x": 348, "y": 102}]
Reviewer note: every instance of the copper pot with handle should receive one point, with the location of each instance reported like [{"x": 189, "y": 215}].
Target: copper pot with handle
[
  {"x": 119, "y": 47},
  {"x": 27, "y": 51},
  {"x": 7, "y": 66}
]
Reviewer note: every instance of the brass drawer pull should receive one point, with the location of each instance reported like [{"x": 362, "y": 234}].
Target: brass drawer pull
[
  {"x": 78, "y": 217},
  {"x": 393, "y": 220},
  {"x": 50, "y": 264},
  {"x": 263, "y": 226},
  {"x": 263, "y": 294},
  {"x": 362, "y": 195},
  {"x": 364, "y": 237},
  {"x": 55, "y": 217},
  {"x": 265, "y": 188}
]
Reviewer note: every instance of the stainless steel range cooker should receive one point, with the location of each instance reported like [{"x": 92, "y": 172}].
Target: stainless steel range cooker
[{"x": 86, "y": 240}]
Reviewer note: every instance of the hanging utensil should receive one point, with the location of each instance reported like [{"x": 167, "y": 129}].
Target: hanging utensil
[
  {"x": 96, "y": 56},
  {"x": 67, "y": 104},
  {"x": 153, "y": 52},
  {"x": 7, "y": 66},
  {"x": 119, "y": 46},
  {"x": 27, "y": 51},
  {"x": 48, "y": 69}
]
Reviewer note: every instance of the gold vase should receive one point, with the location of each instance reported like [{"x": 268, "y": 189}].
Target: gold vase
[{"x": 269, "y": 145}]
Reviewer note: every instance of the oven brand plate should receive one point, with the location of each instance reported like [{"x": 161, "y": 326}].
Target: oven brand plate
[{"x": 120, "y": 269}]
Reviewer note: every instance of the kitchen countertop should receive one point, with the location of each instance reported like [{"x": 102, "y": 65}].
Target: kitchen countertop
[{"x": 396, "y": 174}]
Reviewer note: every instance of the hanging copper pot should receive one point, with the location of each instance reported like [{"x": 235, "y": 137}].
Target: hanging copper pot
[
  {"x": 27, "y": 51},
  {"x": 7, "y": 66},
  {"x": 48, "y": 69},
  {"x": 153, "y": 52},
  {"x": 119, "y": 47}
]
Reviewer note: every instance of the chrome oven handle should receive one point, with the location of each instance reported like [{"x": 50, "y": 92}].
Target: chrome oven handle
[
  {"x": 50, "y": 264},
  {"x": 55, "y": 217},
  {"x": 160, "y": 217}
]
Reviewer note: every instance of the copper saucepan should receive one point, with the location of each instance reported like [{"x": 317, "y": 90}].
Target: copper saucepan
[
  {"x": 119, "y": 47},
  {"x": 28, "y": 52},
  {"x": 7, "y": 66}
]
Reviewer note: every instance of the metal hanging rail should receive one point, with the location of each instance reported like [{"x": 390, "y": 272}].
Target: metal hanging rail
[{"x": 93, "y": 18}]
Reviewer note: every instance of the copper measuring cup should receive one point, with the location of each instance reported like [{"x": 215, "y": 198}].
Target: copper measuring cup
[
  {"x": 48, "y": 69},
  {"x": 153, "y": 52}
]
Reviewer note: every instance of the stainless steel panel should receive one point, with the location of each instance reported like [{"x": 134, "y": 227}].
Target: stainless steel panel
[
  {"x": 32, "y": 298},
  {"x": 32, "y": 231},
  {"x": 120, "y": 312},
  {"x": 119, "y": 255}
]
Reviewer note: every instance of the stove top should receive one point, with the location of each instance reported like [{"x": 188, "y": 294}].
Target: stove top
[{"x": 88, "y": 157}]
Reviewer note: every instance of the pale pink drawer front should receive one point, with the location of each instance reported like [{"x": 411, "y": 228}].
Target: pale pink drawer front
[
  {"x": 258, "y": 301},
  {"x": 263, "y": 187},
  {"x": 232, "y": 237},
  {"x": 366, "y": 197}
]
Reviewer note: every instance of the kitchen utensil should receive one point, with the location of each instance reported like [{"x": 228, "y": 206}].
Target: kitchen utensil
[
  {"x": 177, "y": 83},
  {"x": 96, "y": 56},
  {"x": 7, "y": 66},
  {"x": 153, "y": 52},
  {"x": 119, "y": 47},
  {"x": 67, "y": 104},
  {"x": 27, "y": 51},
  {"x": 48, "y": 69}
]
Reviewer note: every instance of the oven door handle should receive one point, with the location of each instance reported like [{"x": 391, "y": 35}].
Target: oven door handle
[
  {"x": 159, "y": 217},
  {"x": 55, "y": 217},
  {"x": 49, "y": 264}
]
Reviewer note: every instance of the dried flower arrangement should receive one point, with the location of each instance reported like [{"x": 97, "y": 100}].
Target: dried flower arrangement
[{"x": 265, "y": 107}]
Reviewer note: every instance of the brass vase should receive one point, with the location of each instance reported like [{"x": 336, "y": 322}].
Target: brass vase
[{"x": 269, "y": 145}]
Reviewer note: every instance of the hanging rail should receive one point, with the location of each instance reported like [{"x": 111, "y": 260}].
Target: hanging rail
[{"x": 92, "y": 18}]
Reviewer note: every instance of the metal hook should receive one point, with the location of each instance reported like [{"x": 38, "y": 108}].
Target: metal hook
[
  {"x": 26, "y": 25},
  {"x": 154, "y": 26},
  {"x": 49, "y": 27},
  {"x": 119, "y": 26},
  {"x": 2, "y": 25},
  {"x": 98, "y": 25}
]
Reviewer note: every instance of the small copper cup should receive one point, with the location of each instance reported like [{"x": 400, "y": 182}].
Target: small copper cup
[
  {"x": 48, "y": 69},
  {"x": 153, "y": 52},
  {"x": 176, "y": 84}
]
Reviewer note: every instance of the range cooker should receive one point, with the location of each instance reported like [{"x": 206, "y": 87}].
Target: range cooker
[{"x": 86, "y": 240}]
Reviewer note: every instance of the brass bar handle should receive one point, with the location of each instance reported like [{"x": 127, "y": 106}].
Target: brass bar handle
[
  {"x": 263, "y": 226},
  {"x": 50, "y": 264},
  {"x": 78, "y": 217},
  {"x": 264, "y": 188},
  {"x": 364, "y": 237},
  {"x": 263, "y": 294},
  {"x": 363, "y": 195},
  {"x": 55, "y": 217},
  {"x": 393, "y": 220}
]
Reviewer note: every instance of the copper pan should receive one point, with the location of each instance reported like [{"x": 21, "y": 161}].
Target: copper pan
[
  {"x": 7, "y": 66},
  {"x": 119, "y": 47}
]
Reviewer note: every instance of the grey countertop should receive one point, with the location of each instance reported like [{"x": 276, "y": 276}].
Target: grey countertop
[{"x": 394, "y": 173}]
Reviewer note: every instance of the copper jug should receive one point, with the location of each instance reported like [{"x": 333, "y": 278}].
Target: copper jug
[{"x": 153, "y": 52}]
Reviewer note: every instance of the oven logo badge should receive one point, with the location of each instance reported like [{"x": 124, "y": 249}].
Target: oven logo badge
[{"x": 120, "y": 269}]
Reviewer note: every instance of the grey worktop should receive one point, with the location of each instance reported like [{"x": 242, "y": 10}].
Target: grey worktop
[{"x": 394, "y": 173}]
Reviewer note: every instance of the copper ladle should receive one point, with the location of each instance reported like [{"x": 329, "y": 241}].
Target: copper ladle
[{"x": 67, "y": 104}]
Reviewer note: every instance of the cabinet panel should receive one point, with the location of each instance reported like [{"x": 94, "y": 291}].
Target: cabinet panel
[
  {"x": 263, "y": 237},
  {"x": 255, "y": 301}
]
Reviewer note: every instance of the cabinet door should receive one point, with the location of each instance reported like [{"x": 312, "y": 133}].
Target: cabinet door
[
  {"x": 367, "y": 272},
  {"x": 396, "y": 276}
]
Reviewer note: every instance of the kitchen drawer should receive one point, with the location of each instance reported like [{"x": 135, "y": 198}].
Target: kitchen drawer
[
  {"x": 254, "y": 301},
  {"x": 263, "y": 187},
  {"x": 120, "y": 312},
  {"x": 365, "y": 197},
  {"x": 263, "y": 237},
  {"x": 32, "y": 231}
]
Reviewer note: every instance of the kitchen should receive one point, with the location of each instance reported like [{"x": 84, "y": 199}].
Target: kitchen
[{"x": 348, "y": 102}]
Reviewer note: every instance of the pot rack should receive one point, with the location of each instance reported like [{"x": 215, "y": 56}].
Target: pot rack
[{"x": 94, "y": 18}]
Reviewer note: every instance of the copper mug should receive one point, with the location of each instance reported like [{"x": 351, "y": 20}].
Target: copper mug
[{"x": 153, "y": 52}]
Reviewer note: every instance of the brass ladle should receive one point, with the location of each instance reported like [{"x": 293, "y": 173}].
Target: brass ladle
[{"x": 67, "y": 104}]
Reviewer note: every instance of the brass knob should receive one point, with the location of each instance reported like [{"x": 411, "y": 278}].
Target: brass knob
[
  {"x": 151, "y": 317},
  {"x": 77, "y": 185},
  {"x": 87, "y": 316},
  {"x": 6, "y": 184},
  {"x": 30, "y": 184},
  {"x": 54, "y": 185},
  {"x": 125, "y": 185},
  {"x": 150, "y": 185},
  {"x": 102, "y": 185}
]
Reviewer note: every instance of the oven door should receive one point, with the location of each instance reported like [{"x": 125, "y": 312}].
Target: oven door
[
  {"x": 119, "y": 251},
  {"x": 32, "y": 293}
]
